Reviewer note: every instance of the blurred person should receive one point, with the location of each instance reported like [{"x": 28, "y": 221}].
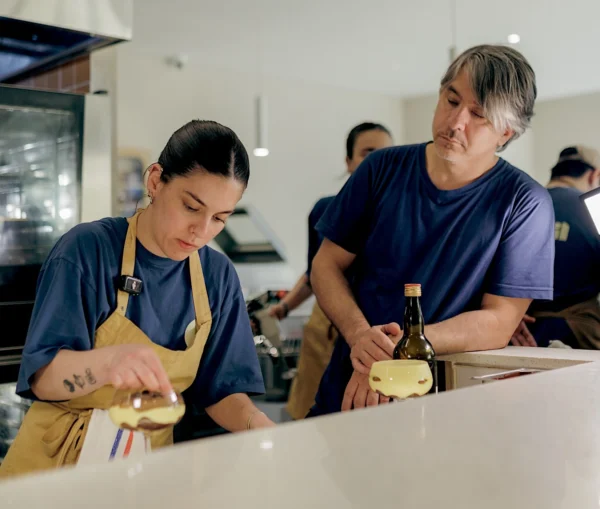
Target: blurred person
[
  {"x": 319, "y": 333},
  {"x": 573, "y": 317}
]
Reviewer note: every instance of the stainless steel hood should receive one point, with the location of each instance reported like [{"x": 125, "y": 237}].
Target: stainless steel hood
[
  {"x": 39, "y": 34},
  {"x": 248, "y": 239},
  {"x": 256, "y": 252}
]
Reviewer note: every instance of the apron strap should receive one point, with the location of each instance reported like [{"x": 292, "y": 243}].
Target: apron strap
[
  {"x": 201, "y": 303},
  {"x": 128, "y": 263},
  {"x": 64, "y": 436}
]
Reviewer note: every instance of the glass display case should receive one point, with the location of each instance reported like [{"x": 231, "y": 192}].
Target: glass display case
[
  {"x": 40, "y": 185},
  {"x": 38, "y": 182}
]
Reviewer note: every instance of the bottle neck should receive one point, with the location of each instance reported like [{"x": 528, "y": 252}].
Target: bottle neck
[{"x": 413, "y": 317}]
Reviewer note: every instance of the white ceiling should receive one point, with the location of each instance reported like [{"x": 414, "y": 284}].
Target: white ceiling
[{"x": 398, "y": 47}]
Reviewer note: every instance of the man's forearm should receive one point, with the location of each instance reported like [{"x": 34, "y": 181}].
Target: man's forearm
[
  {"x": 468, "y": 332},
  {"x": 335, "y": 298}
]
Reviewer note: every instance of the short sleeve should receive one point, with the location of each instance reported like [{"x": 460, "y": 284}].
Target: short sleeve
[
  {"x": 523, "y": 266},
  {"x": 347, "y": 220},
  {"x": 229, "y": 363},
  {"x": 314, "y": 241},
  {"x": 314, "y": 237},
  {"x": 63, "y": 317}
]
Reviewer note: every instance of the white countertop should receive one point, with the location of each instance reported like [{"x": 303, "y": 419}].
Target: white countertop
[
  {"x": 512, "y": 356},
  {"x": 528, "y": 442}
]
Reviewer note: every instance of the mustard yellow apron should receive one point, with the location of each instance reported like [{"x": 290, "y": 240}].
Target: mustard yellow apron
[
  {"x": 52, "y": 434},
  {"x": 583, "y": 319},
  {"x": 315, "y": 353}
]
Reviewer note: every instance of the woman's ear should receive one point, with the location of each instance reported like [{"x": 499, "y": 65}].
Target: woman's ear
[{"x": 153, "y": 184}]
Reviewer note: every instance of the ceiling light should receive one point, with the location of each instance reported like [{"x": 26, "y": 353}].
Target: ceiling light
[
  {"x": 514, "y": 38},
  {"x": 261, "y": 149},
  {"x": 261, "y": 152}
]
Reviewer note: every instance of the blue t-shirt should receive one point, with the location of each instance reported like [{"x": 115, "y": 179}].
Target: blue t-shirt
[
  {"x": 314, "y": 237},
  {"x": 577, "y": 251},
  {"x": 495, "y": 235},
  {"x": 76, "y": 293},
  {"x": 576, "y": 267}
]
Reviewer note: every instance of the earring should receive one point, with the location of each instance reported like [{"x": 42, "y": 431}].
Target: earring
[{"x": 151, "y": 198}]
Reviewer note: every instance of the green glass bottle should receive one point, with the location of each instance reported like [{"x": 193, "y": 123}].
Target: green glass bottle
[{"x": 414, "y": 344}]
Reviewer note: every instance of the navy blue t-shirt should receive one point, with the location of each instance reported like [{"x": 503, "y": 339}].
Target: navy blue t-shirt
[
  {"x": 495, "y": 235},
  {"x": 577, "y": 251},
  {"x": 314, "y": 237},
  {"x": 576, "y": 267},
  {"x": 76, "y": 293}
]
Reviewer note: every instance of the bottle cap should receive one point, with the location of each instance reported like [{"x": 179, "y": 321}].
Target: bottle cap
[{"x": 412, "y": 290}]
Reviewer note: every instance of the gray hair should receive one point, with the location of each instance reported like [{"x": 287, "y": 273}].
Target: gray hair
[{"x": 503, "y": 83}]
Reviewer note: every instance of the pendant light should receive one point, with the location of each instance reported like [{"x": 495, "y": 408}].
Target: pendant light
[
  {"x": 452, "y": 49},
  {"x": 261, "y": 149}
]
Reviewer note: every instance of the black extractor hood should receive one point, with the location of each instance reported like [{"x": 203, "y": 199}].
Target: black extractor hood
[{"x": 39, "y": 34}]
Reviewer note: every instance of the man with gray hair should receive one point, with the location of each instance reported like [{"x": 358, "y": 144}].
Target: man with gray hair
[{"x": 473, "y": 230}]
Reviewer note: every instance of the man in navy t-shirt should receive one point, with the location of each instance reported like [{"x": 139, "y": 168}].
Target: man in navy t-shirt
[
  {"x": 573, "y": 317},
  {"x": 474, "y": 231}
]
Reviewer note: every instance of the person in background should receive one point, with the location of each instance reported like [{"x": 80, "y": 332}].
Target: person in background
[
  {"x": 319, "y": 333},
  {"x": 185, "y": 328},
  {"x": 573, "y": 317},
  {"x": 473, "y": 230}
]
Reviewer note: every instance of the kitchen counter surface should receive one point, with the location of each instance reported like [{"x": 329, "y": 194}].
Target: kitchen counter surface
[
  {"x": 525, "y": 442},
  {"x": 516, "y": 357}
]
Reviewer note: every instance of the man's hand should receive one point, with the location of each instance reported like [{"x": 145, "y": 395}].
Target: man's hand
[
  {"x": 358, "y": 394},
  {"x": 374, "y": 344},
  {"x": 522, "y": 336}
]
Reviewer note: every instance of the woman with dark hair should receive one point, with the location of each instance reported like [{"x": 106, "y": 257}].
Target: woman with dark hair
[
  {"x": 142, "y": 303},
  {"x": 319, "y": 333}
]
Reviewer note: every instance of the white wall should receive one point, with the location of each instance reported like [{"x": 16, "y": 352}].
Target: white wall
[
  {"x": 520, "y": 153},
  {"x": 418, "y": 114},
  {"x": 103, "y": 77},
  {"x": 307, "y": 125},
  {"x": 561, "y": 123}
]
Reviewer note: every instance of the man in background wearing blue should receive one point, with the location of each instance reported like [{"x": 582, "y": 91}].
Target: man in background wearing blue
[{"x": 573, "y": 317}]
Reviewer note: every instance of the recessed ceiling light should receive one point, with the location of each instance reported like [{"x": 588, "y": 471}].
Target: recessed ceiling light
[{"x": 514, "y": 38}]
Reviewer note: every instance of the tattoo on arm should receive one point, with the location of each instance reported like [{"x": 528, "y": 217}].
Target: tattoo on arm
[
  {"x": 78, "y": 381},
  {"x": 90, "y": 377}
]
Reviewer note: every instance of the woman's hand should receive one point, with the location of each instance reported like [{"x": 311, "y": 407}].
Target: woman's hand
[
  {"x": 279, "y": 311},
  {"x": 133, "y": 367}
]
